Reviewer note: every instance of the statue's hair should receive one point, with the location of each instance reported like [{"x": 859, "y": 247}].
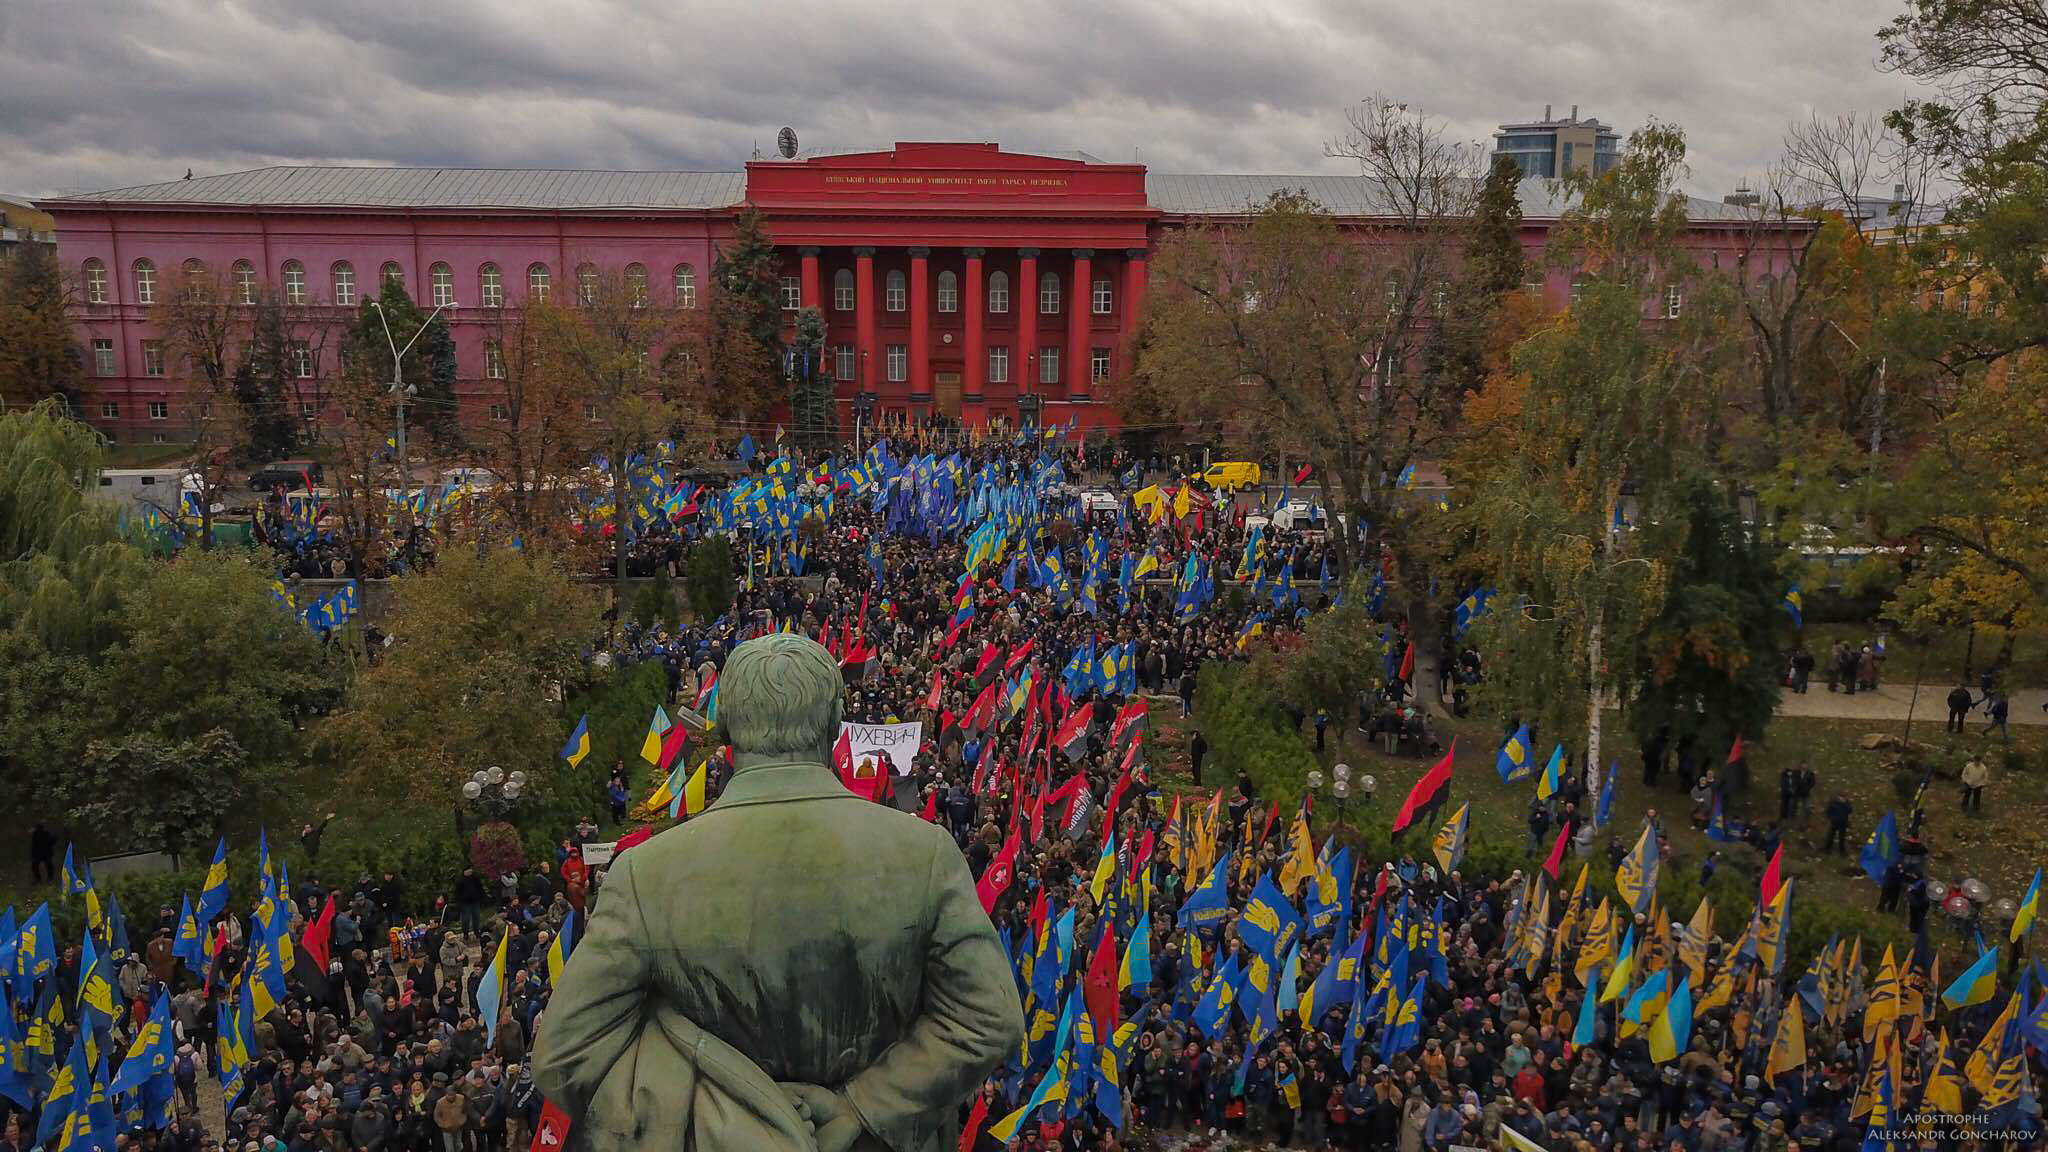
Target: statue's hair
[{"x": 781, "y": 695}]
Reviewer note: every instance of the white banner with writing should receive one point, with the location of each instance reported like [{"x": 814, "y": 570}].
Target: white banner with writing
[{"x": 898, "y": 742}]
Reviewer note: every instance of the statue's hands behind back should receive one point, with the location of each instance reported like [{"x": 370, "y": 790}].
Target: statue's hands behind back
[{"x": 833, "y": 1120}]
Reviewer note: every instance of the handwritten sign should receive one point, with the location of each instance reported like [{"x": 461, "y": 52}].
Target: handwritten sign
[{"x": 897, "y": 742}]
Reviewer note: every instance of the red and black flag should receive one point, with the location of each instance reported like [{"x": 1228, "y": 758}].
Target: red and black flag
[
  {"x": 315, "y": 952},
  {"x": 1428, "y": 793}
]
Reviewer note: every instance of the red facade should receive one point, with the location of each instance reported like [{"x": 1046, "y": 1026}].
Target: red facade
[{"x": 955, "y": 277}]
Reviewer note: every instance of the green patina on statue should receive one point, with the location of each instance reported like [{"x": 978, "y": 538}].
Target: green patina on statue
[{"x": 796, "y": 968}]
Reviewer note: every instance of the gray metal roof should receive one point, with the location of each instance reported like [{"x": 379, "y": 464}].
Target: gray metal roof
[
  {"x": 1206, "y": 195},
  {"x": 330, "y": 187},
  {"x": 531, "y": 188}
]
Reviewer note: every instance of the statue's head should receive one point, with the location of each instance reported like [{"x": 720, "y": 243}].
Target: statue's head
[{"x": 781, "y": 698}]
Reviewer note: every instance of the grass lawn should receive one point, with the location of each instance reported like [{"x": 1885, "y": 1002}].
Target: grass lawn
[
  {"x": 2000, "y": 847},
  {"x": 1940, "y": 659},
  {"x": 146, "y": 455}
]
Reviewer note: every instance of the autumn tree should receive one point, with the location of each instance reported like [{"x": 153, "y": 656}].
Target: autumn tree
[
  {"x": 264, "y": 384},
  {"x": 202, "y": 328},
  {"x": 539, "y": 433},
  {"x": 483, "y": 642},
  {"x": 38, "y": 355},
  {"x": 810, "y": 381},
  {"x": 743, "y": 341},
  {"x": 1489, "y": 269},
  {"x": 632, "y": 363}
]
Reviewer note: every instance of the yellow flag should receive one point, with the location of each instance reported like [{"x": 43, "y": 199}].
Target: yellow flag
[
  {"x": 1599, "y": 946},
  {"x": 1692, "y": 948},
  {"x": 1884, "y": 998},
  {"x": 1788, "y": 1048},
  {"x": 1302, "y": 862},
  {"x": 1944, "y": 1084},
  {"x": 1104, "y": 869}
]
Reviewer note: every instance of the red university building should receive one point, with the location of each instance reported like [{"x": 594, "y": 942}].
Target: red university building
[{"x": 955, "y": 277}]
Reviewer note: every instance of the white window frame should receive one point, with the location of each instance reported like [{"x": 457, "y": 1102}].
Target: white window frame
[
  {"x": 391, "y": 273},
  {"x": 343, "y": 275},
  {"x": 494, "y": 360},
  {"x": 1674, "y": 301},
  {"x": 144, "y": 273},
  {"x": 842, "y": 362},
  {"x": 244, "y": 274},
  {"x": 94, "y": 273},
  {"x": 152, "y": 358},
  {"x": 998, "y": 293},
  {"x": 499, "y": 414},
  {"x": 636, "y": 283},
  {"x": 685, "y": 278},
  {"x": 159, "y": 410},
  {"x": 103, "y": 357},
  {"x": 1049, "y": 364},
  {"x": 294, "y": 283},
  {"x": 843, "y": 290},
  {"x": 586, "y": 284},
  {"x": 442, "y": 279},
  {"x": 539, "y": 282},
  {"x": 1048, "y": 293},
  {"x": 1098, "y": 365},
  {"x": 897, "y": 361},
  {"x": 895, "y": 293},
  {"x": 491, "y": 286},
  {"x": 590, "y": 413},
  {"x": 999, "y": 364},
  {"x": 949, "y": 292},
  {"x": 1101, "y": 299},
  {"x": 110, "y": 410},
  {"x": 302, "y": 360},
  {"x": 792, "y": 293}
]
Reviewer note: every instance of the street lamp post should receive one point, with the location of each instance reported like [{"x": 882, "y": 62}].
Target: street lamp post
[
  {"x": 399, "y": 388},
  {"x": 1341, "y": 788}
]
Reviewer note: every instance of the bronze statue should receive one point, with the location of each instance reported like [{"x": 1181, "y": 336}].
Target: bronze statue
[{"x": 795, "y": 968}]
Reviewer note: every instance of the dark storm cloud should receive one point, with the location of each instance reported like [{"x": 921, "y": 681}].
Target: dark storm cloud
[{"x": 104, "y": 93}]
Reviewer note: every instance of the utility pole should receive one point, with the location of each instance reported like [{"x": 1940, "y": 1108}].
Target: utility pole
[{"x": 399, "y": 388}]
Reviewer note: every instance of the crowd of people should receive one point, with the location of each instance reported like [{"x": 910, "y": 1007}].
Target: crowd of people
[{"x": 1274, "y": 990}]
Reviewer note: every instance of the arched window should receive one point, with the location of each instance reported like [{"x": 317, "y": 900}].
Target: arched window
[
  {"x": 192, "y": 278},
  {"x": 442, "y": 278},
  {"x": 949, "y": 292},
  {"x": 636, "y": 283},
  {"x": 94, "y": 273},
  {"x": 586, "y": 284},
  {"x": 393, "y": 274},
  {"x": 344, "y": 276},
  {"x": 895, "y": 296},
  {"x": 686, "y": 286},
  {"x": 1048, "y": 293},
  {"x": 245, "y": 282},
  {"x": 537, "y": 283},
  {"x": 998, "y": 293},
  {"x": 842, "y": 290},
  {"x": 294, "y": 283},
  {"x": 491, "y": 284},
  {"x": 145, "y": 282}
]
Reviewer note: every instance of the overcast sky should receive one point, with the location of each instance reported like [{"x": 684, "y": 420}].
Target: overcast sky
[{"x": 106, "y": 93}]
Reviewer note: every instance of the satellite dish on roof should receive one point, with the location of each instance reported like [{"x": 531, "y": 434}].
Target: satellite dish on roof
[{"x": 785, "y": 143}]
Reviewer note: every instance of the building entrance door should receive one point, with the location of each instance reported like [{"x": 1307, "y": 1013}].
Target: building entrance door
[{"x": 946, "y": 393}]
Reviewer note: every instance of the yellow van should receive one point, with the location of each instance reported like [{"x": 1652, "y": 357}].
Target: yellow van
[{"x": 1229, "y": 475}]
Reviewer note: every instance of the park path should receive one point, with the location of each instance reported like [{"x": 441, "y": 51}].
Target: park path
[{"x": 1892, "y": 701}]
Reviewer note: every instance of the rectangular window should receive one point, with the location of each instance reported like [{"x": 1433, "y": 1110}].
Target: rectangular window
[
  {"x": 294, "y": 285},
  {"x": 842, "y": 294},
  {"x": 895, "y": 297},
  {"x": 842, "y": 362},
  {"x": 899, "y": 363},
  {"x": 308, "y": 411},
  {"x": 1672, "y": 302},
  {"x": 494, "y": 360},
  {"x": 112, "y": 411},
  {"x": 1578, "y": 291},
  {"x": 158, "y": 438},
  {"x": 998, "y": 294},
  {"x": 345, "y": 286},
  {"x": 245, "y": 284},
  {"x": 103, "y": 357},
  {"x": 949, "y": 293},
  {"x": 95, "y": 283},
  {"x": 499, "y": 414},
  {"x": 145, "y": 284},
  {"x": 1048, "y": 295},
  {"x": 792, "y": 293},
  {"x": 493, "y": 288},
  {"x": 302, "y": 361},
  {"x": 152, "y": 357},
  {"x": 159, "y": 410},
  {"x": 590, "y": 413},
  {"x": 1100, "y": 298},
  {"x": 1098, "y": 365},
  {"x": 999, "y": 365},
  {"x": 1049, "y": 364}
]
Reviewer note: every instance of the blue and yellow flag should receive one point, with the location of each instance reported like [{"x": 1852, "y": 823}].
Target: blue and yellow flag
[
  {"x": 558, "y": 951},
  {"x": 190, "y": 945},
  {"x": 1136, "y": 970},
  {"x": 2030, "y": 907},
  {"x": 14, "y": 1085},
  {"x": 490, "y": 993},
  {"x": 69, "y": 1087},
  {"x": 95, "y": 984},
  {"x": 1795, "y": 607},
  {"x": 1406, "y": 1029},
  {"x": 579, "y": 742},
  {"x": 213, "y": 897},
  {"x": 1636, "y": 879},
  {"x": 150, "y": 1053},
  {"x": 75, "y": 881},
  {"x": 1977, "y": 984},
  {"x": 1672, "y": 1029},
  {"x": 35, "y": 951},
  {"x": 1513, "y": 762},
  {"x": 650, "y": 748},
  {"x": 1624, "y": 967},
  {"x": 1206, "y": 905},
  {"x": 1269, "y": 924},
  {"x": 1552, "y": 779},
  {"x": 1882, "y": 849}
]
